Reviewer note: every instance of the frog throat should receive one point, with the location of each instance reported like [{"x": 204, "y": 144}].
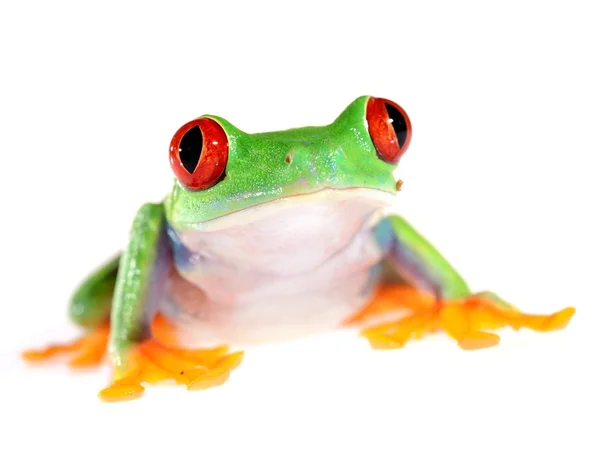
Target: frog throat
[{"x": 377, "y": 199}]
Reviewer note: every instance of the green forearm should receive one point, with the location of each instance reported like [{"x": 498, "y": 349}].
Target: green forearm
[
  {"x": 418, "y": 261},
  {"x": 134, "y": 278}
]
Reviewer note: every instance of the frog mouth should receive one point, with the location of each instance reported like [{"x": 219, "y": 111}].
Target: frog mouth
[{"x": 351, "y": 198}]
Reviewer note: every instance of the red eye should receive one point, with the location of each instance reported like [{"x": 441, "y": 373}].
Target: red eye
[
  {"x": 198, "y": 153},
  {"x": 389, "y": 127}
]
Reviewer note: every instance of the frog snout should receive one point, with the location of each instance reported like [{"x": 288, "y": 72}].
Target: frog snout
[{"x": 301, "y": 154}]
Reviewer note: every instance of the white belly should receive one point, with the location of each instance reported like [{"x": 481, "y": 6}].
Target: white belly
[{"x": 305, "y": 272}]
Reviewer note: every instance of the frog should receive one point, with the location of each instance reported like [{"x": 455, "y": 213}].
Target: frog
[{"x": 273, "y": 236}]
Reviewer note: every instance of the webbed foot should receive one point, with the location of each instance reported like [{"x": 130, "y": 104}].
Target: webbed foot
[
  {"x": 468, "y": 321},
  {"x": 86, "y": 351},
  {"x": 155, "y": 360}
]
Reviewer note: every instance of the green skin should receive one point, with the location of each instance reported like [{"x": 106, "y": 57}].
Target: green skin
[{"x": 339, "y": 155}]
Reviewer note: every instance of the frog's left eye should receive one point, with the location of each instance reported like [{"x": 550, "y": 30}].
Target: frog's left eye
[
  {"x": 389, "y": 128},
  {"x": 198, "y": 153}
]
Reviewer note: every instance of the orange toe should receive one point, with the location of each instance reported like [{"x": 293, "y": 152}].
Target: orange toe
[
  {"x": 86, "y": 351},
  {"x": 212, "y": 378},
  {"x": 121, "y": 392},
  {"x": 477, "y": 340},
  {"x": 553, "y": 322}
]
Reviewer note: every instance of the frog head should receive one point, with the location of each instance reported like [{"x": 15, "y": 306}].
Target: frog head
[{"x": 224, "y": 175}]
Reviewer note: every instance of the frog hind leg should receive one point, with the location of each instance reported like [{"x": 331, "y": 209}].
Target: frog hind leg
[
  {"x": 89, "y": 308},
  {"x": 437, "y": 298},
  {"x": 142, "y": 344}
]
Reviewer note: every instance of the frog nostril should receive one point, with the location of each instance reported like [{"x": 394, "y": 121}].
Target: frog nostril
[{"x": 289, "y": 157}]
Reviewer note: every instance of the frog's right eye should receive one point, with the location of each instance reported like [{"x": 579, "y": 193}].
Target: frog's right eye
[{"x": 198, "y": 153}]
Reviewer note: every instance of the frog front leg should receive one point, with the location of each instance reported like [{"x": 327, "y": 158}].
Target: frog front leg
[
  {"x": 138, "y": 353},
  {"x": 441, "y": 299},
  {"x": 116, "y": 305}
]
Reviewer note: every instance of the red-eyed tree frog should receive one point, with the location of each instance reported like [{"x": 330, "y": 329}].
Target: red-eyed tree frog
[{"x": 274, "y": 236}]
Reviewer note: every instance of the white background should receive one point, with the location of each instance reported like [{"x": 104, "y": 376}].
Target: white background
[{"x": 501, "y": 176}]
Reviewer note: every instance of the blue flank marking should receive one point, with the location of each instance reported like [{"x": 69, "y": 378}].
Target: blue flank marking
[
  {"x": 374, "y": 274},
  {"x": 407, "y": 260},
  {"x": 182, "y": 256},
  {"x": 384, "y": 235}
]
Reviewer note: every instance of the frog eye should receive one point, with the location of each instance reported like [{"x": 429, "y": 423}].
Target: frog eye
[
  {"x": 198, "y": 153},
  {"x": 389, "y": 128}
]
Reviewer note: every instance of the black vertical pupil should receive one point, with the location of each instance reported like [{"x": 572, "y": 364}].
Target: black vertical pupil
[
  {"x": 398, "y": 122},
  {"x": 190, "y": 149}
]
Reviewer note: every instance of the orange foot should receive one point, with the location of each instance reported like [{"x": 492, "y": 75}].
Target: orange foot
[
  {"x": 87, "y": 351},
  {"x": 160, "y": 359},
  {"x": 468, "y": 321},
  {"x": 151, "y": 361}
]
